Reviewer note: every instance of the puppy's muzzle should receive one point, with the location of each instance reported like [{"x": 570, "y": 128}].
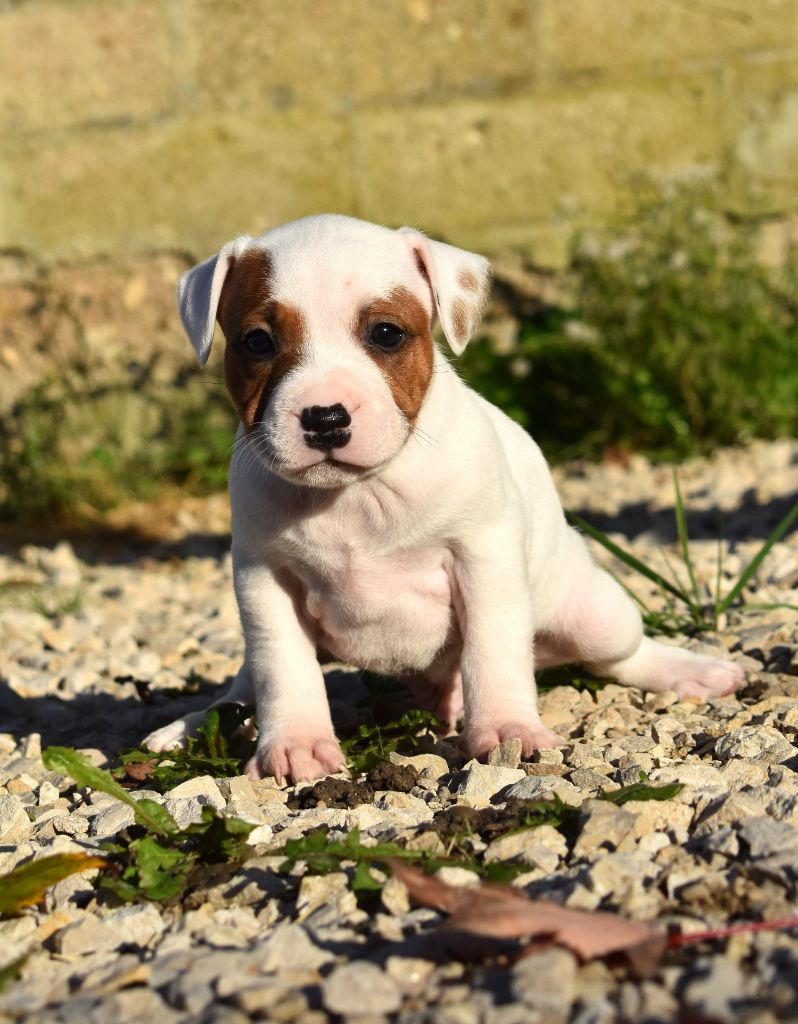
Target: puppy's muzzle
[{"x": 325, "y": 426}]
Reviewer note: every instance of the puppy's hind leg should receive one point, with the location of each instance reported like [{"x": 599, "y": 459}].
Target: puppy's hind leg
[
  {"x": 598, "y": 624},
  {"x": 177, "y": 733}
]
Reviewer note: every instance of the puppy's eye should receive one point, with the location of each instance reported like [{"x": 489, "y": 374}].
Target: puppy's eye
[
  {"x": 387, "y": 337},
  {"x": 259, "y": 344}
]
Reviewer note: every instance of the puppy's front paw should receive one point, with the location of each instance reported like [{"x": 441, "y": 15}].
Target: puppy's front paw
[
  {"x": 298, "y": 760},
  {"x": 169, "y": 737},
  {"x": 479, "y": 739}
]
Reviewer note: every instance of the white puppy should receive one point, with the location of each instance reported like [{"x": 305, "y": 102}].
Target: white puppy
[{"x": 385, "y": 513}]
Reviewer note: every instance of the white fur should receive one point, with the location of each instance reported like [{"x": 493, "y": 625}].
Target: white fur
[{"x": 443, "y": 553}]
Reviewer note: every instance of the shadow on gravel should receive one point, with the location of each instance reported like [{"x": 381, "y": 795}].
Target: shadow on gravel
[
  {"x": 99, "y": 720},
  {"x": 109, "y": 547},
  {"x": 749, "y": 521}
]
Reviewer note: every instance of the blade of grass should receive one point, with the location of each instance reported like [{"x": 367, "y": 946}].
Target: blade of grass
[
  {"x": 626, "y": 557},
  {"x": 758, "y": 559},
  {"x": 69, "y": 762},
  {"x": 684, "y": 544}
]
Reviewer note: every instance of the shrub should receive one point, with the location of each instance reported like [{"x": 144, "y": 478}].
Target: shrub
[{"x": 678, "y": 340}]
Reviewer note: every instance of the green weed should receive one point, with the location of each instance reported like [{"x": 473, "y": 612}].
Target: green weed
[
  {"x": 157, "y": 859},
  {"x": 74, "y": 447},
  {"x": 675, "y": 340},
  {"x": 214, "y": 750},
  {"x": 321, "y": 855},
  {"x": 374, "y": 742},
  {"x": 686, "y": 607}
]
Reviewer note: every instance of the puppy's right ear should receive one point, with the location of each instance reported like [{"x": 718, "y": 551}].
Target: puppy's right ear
[{"x": 198, "y": 292}]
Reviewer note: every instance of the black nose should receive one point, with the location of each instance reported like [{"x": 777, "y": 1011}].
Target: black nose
[
  {"x": 325, "y": 426},
  {"x": 324, "y": 418}
]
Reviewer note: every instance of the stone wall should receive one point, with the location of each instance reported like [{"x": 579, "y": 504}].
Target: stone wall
[{"x": 128, "y": 126}]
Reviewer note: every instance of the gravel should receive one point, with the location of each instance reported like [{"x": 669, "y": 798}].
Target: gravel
[{"x": 101, "y": 642}]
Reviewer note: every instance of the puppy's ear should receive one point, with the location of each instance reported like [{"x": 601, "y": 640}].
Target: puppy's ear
[
  {"x": 198, "y": 292},
  {"x": 459, "y": 282}
]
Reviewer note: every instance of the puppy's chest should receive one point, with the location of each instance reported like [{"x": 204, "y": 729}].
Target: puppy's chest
[
  {"x": 357, "y": 582},
  {"x": 374, "y": 604}
]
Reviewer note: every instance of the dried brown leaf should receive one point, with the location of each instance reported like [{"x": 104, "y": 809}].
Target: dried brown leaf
[
  {"x": 502, "y": 912},
  {"x": 141, "y": 770}
]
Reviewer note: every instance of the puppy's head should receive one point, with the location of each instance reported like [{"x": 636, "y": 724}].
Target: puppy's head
[{"x": 328, "y": 326}]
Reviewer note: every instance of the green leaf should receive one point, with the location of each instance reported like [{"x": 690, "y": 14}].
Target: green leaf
[
  {"x": 642, "y": 790},
  {"x": 758, "y": 558},
  {"x": 684, "y": 545},
  {"x": 216, "y": 838},
  {"x": 373, "y": 743},
  {"x": 67, "y": 761},
  {"x": 363, "y": 880},
  {"x": 206, "y": 753},
  {"x": 162, "y": 869},
  {"x": 26, "y": 885}
]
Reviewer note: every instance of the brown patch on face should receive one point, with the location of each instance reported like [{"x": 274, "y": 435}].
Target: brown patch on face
[
  {"x": 460, "y": 321},
  {"x": 246, "y": 305},
  {"x": 408, "y": 370},
  {"x": 468, "y": 281}
]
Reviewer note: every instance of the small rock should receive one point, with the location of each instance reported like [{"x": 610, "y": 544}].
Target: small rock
[
  {"x": 546, "y": 981},
  {"x": 137, "y": 925},
  {"x": 717, "y": 994},
  {"x": 537, "y": 787},
  {"x": 507, "y": 754},
  {"x": 759, "y": 743},
  {"x": 430, "y": 765},
  {"x": 480, "y": 782},
  {"x": 528, "y": 848},
  {"x": 410, "y": 973},
  {"x": 185, "y": 802},
  {"x": 291, "y": 944},
  {"x": 112, "y": 819},
  {"x": 321, "y": 890},
  {"x": 239, "y": 786},
  {"x": 360, "y": 989},
  {"x": 88, "y": 935},
  {"x": 766, "y": 837},
  {"x": 458, "y": 876},
  {"x": 604, "y": 827},
  {"x": 15, "y": 825},
  {"x": 406, "y": 803},
  {"x": 394, "y": 896}
]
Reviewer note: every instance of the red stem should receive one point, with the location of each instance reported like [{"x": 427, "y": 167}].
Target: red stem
[{"x": 676, "y": 940}]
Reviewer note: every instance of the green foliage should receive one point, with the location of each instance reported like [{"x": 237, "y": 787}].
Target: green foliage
[
  {"x": 212, "y": 751},
  {"x": 321, "y": 855},
  {"x": 375, "y": 742},
  {"x": 73, "y": 447},
  {"x": 687, "y": 608},
  {"x": 153, "y": 867},
  {"x": 157, "y": 860},
  {"x": 77, "y": 766},
  {"x": 677, "y": 340},
  {"x": 26, "y": 884}
]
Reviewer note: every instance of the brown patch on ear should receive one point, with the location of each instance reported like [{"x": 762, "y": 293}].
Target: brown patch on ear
[
  {"x": 408, "y": 371},
  {"x": 245, "y": 305},
  {"x": 468, "y": 281},
  {"x": 460, "y": 321}
]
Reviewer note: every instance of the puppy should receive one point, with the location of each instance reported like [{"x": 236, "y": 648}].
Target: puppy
[{"x": 384, "y": 512}]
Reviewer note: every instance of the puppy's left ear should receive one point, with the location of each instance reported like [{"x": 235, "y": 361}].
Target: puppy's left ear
[
  {"x": 198, "y": 292},
  {"x": 459, "y": 282}
]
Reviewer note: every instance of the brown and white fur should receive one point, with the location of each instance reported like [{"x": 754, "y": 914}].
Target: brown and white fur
[{"x": 383, "y": 511}]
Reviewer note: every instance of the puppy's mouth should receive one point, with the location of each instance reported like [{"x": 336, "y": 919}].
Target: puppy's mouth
[{"x": 332, "y": 462}]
